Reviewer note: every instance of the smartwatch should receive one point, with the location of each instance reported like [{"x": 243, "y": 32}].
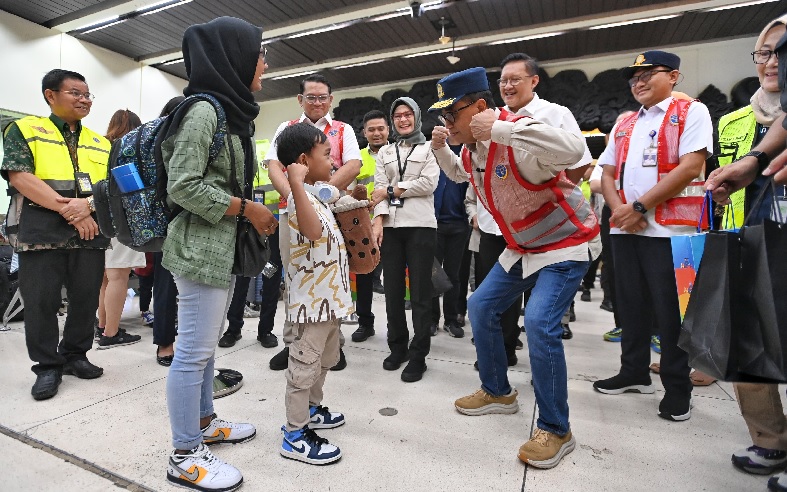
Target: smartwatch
[
  {"x": 391, "y": 195},
  {"x": 762, "y": 158},
  {"x": 638, "y": 207}
]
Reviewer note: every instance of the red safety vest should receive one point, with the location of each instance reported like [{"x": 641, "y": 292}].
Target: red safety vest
[
  {"x": 335, "y": 133},
  {"x": 533, "y": 218},
  {"x": 684, "y": 208}
]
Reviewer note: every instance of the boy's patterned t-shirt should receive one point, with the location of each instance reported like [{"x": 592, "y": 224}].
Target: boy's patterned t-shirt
[{"x": 318, "y": 274}]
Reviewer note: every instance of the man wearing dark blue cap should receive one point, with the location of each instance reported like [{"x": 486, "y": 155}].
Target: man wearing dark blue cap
[
  {"x": 652, "y": 182},
  {"x": 516, "y": 165}
]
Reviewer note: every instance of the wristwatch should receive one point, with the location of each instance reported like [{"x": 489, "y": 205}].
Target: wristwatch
[
  {"x": 762, "y": 158},
  {"x": 91, "y": 203},
  {"x": 391, "y": 195},
  {"x": 638, "y": 207}
]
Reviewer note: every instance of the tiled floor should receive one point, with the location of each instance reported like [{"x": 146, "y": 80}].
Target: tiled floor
[{"x": 118, "y": 423}]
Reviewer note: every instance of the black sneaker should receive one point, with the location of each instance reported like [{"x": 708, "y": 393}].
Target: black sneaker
[
  {"x": 342, "y": 362},
  {"x": 460, "y": 320},
  {"x": 572, "y": 316},
  {"x": 378, "y": 288},
  {"x": 454, "y": 330},
  {"x": 362, "y": 333},
  {"x": 120, "y": 339},
  {"x": 394, "y": 362},
  {"x": 619, "y": 384},
  {"x": 675, "y": 409},
  {"x": 228, "y": 339},
  {"x": 414, "y": 371},
  {"x": 433, "y": 329},
  {"x": 280, "y": 361},
  {"x": 606, "y": 305},
  {"x": 46, "y": 384},
  {"x": 268, "y": 340},
  {"x": 585, "y": 295},
  {"x": 567, "y": 333}
]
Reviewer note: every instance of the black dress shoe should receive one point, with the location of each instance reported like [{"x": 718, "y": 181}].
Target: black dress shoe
[
  {"x": 414, "y": 371},
  {"x": 460, "y": 320},
  {"x": 280, "y": 361},
  {"x": 433, "y": 329},
  {"x": 342, "y": 362},
  {"x": 572, "y": 316},
  {"x": 585, "y": 297},
  {"x": 606, "y": 305},
  {"x": 46, "y": 384},
  {"x": 394, "y": 362},
  {"x": 228, "y": 339},
  {"x": 83, "y": 369},
  {"x": 567, "y": 333},
  {"x": 362, "y": 333},
  {"x": 164, "y": 360},
  {"x": 268, "y": 340}
]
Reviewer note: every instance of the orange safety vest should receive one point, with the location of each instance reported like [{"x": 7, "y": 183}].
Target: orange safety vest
[
  {"x": 335, "y": 133},
  {"x": 533, "y": 218},
  {"x": 684, "y": 208}
]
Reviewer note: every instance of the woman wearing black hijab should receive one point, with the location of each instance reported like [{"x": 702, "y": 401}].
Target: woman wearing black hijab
[{"x": 223, "y": 59}]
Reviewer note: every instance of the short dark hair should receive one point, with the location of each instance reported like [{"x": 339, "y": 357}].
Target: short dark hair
[
  {"x": 530, "y": 63},
  {"x": 297, "y": 139},
  {"x": 54, "y": 79},
  {"x": 374, "y": 114},
  {"x": 485, "y": 95},
  {"x": 171, "y": 105},
  {"x": 315, "y": 77}
]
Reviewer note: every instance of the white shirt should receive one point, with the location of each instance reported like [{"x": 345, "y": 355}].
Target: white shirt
[
  {"x": 318, "y": 271},
  {"x": 553, "y": 115},
  {"x": 638, "y": 180},
  {"x": 350, "y": 148}
]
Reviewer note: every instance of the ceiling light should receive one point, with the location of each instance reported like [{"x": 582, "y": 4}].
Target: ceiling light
[
  {"x": 95, "y": 26},
  {"x": 452, "y": 58},
  {"x": 433, "y": 52},
  {"x": 319, "y": 30},
  {"x": 736, "y": 5},
  {"x": 171, "y": 62},
  {"x": 158, "y": 7},
  {"x": 635, "y": 21},
  {"x": 360, "y": 64},
  {"x": 289, "y": 76},
  {"x": 528, "y": 38}
]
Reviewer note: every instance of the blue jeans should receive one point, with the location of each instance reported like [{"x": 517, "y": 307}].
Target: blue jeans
[
  {"x": 553, "y": 288},
  {"x": 201, "y": 309}
]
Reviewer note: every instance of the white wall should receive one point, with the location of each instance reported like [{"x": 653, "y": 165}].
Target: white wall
[{"x": 721, "y": 63}]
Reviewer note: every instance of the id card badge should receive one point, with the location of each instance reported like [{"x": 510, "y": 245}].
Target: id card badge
[
  {"x": 395, "y": 202},
  {"x": 84, "y": 186},
  {"x": 781, "y": 203},
  {"x": 649, "y": 157}
]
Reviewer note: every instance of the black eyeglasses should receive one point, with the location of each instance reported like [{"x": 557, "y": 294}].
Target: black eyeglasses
[
  {"x": 77, "y": 95},
  {"x": 645, "y": 77},
  {"x": 760, "y": 57},
  {"x": 450, "y": 116}
]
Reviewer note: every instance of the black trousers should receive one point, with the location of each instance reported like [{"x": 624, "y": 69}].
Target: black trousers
[
  {"x": 464, "y": 278},
  {"x": 489, "y": 250},
  {"x": 645, "y": 278},
  {"x": 145, "y": 291},
  {"x": 41, "y": 275},
  {"x": 590, "y": 276},
  {"x": 165, "y": 304},
  {"x": 235, "y": 311},
  {"x": 408, "y": 248},
  {"x": 608, "y": 265},
  {"x": 451, "y": 244},
  {"x": 364, "y": 286}
]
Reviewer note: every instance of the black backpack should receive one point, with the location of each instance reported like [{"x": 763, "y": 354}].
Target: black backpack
[{"x": 139, "y": 219}]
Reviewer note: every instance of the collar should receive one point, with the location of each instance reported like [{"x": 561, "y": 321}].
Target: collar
[
  {"x": 530, "y": 108},
  {"x": 324, "y": 121},
  {"x": 370, "y": 151},
  {"x": 663, "y": 106},
  {"x": 61, "y": 124}
]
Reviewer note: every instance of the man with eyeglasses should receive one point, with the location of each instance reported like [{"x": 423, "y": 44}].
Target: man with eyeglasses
[
  {"x": 315, "y": 98},
  {"x": 50, "y": 164},
  {"x": 516, "y": 165},
  {"x": 653, "y": 184}
]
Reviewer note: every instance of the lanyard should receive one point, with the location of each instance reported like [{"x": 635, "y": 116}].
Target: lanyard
[{"x": 399, "y": 160}]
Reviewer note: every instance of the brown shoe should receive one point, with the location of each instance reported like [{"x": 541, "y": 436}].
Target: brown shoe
[
  {"x": 482, "y": 403},
  {"x": 545, "y": 450}
]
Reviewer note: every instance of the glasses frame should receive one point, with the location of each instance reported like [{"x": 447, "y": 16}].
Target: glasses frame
[
  {"x": 450, "y": 116},
  {"x": 505, "y": 82},
  {"x": 771, "y": 53},
  {"x": 77, "y": 95},
  {"x": 403, "y": 116},
  {"x": 646, "y": 76},
  {"x": 312, "y": 99}
]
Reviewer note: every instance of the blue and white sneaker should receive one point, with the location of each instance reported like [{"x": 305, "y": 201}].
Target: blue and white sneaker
[
  {"x": 147, "y": 318},
  {"x": 759, "y": 461},
  {"x": 321, "y": 418},
  {"x": 305, "y": 445}
]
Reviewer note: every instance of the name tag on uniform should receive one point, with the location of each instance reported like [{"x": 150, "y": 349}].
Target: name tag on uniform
[
  {"x": 84, "y": 186},
  {"x": 649, "y": 157}
]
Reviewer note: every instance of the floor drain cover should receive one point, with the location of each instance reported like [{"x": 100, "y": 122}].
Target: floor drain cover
[{"x": 388, "y": 412}]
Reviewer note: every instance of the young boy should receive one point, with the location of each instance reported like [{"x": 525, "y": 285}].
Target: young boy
[{"x": 318, "y": 297}]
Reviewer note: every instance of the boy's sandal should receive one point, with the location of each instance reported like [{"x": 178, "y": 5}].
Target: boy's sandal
[{"x": 699, "y": 378}]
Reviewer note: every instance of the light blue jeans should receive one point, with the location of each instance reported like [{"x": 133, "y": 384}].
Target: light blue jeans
[
  {"x": 201, "y": 309},
  {"x": 553, "y": 287}
]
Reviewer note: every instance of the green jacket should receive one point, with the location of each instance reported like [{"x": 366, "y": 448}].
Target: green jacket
[
  {"x": 737, "y": 131},
  {"x": 200, "y": 243}
]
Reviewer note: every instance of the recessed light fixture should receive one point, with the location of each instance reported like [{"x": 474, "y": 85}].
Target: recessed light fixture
[
  {"x": 736, "y": 5},
  {"x": 528, "y": 38},
  {"x": 635, "y": 21}
]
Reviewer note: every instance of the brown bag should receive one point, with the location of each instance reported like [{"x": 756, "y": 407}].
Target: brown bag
[{"x": 352, "y": 217}]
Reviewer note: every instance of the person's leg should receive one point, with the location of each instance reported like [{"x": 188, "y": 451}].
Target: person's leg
[
  {"x": 394, "y": 264},
  {"x": 288, "y": 332},
  {"x": 589, "y": 279},
  {"x": 761, "y": 408},
  {"x": 554, "y": 289},
  {"x": 490, "y": 248},
  {"x": 82, "y": 282},
  {"x": 419, "y": 253},
  {"x": 115, "y": 294},
  {"x": 270, "y": 288},
  {"x": 306, "y": 367},
  {"x": 165, "y": 305},
  {"x": 145, "y": 291},
  {"x": 464, "y": 280},
  {"x": 235, "y": 312},
  {"x": 441, "y": 237},
  {"x": 42, "y": 300},
  {"x": 453, "y": 249},
  {"x": 485, "y": 308},
  {"x": 201, "y": 309},
  {"x": 101, "y": 314},
  {"x": 364, "y": 284},
  {"x": 328, "y": 358}
]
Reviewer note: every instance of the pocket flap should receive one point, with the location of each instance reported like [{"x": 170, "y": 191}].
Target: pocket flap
[{"x": 303, "y": 354}]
